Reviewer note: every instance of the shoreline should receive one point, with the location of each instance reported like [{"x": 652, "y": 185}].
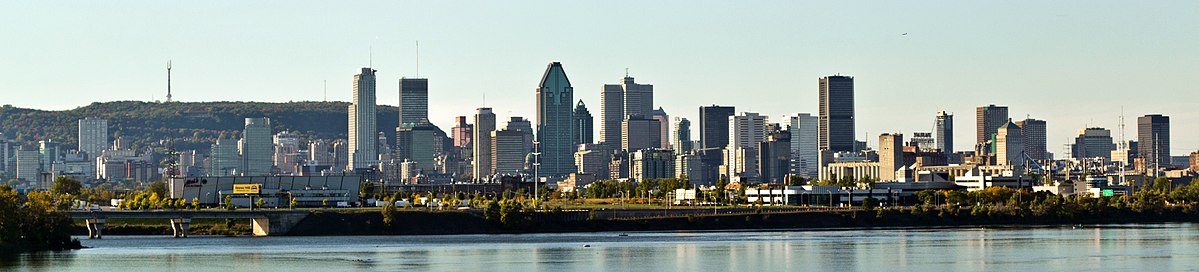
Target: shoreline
[{"x": 370, "y": 223}]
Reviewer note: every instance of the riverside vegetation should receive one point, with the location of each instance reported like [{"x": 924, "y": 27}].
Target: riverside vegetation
[{"x": 36, "y": 221}]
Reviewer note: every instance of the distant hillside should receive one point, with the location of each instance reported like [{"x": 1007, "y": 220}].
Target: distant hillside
[{"x": 192, "y": 125}]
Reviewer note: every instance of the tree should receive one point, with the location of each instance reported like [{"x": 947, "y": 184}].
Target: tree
[
  {"x": 229, "y": 203},
  {"x": 796, "y": 180},
  {"x": 64, "y": 185},
  {"x": 261, "y": 202},
  {"x": 293, "y": 203},
  {"x": 158, "y": 187},
  {"x": 389, "y": 211}
]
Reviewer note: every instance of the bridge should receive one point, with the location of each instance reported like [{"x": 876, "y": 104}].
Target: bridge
[{"x": 264, "y": 223}]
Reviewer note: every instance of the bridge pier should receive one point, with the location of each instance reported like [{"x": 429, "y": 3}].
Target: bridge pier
[
  {"x": 179, "y": 227},
  {"x": 94, "y": 227}
]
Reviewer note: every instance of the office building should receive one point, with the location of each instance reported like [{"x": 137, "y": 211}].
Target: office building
[
  {"x": 923, "y": 141},
  {"x": 224, "y": 158},
  {"x": 517, "y": 123},
  {"x": 287, "y": 153},
  {"x": 640, "y": 132},
  {"x": 93, "y": 136},
  {"x": 989, "y": 119},
  {"x": 746, "y": 130},
  {"x": 583, "y": 125},
  {"x": 620, "y": 101},
  {"x": 714, "y": 126},
  {"x": 837, "y": 113},
  {"x": 652, "y": 163},
  {"x": 484, "y": 125},
  {"x": 257, "y": 150},
  {"x": 507, "y": 151},
  {"x": 774, "y": 157},
  {"x": 414, "y": 100},
  {"x": 681, "y": 136},
  {"x": 664, "y": 127},
  {"x": 1034, "y": 138},
  {"x": 890, "y": 156},
  {"x": 29, "y": 165},
  {"x": 415, "y": 142},
  {"x": 460, "y": 132},
  {"x": 1093, "y": 143},
  {"x": 805, "y": 144},
  {"x": 593, "y": 159},
  {"x": 363, "y": 126},
  {"x": 555, "y": 123},
  {"x": 1153, "y": 139},
  {"x": 1009, "y": 145},
  {"x": 943, "y": 132}
]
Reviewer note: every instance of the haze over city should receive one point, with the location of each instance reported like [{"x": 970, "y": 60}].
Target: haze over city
[{"x": 1073, "y": 64}]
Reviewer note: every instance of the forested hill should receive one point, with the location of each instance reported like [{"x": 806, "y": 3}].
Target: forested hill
[{"x": 191, "y": 125}]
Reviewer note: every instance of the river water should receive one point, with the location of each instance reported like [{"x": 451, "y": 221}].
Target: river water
[{"x": 1155, "y": 247}]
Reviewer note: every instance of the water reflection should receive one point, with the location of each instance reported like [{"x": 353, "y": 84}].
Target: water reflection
[{"x": 1132, "y": 247}]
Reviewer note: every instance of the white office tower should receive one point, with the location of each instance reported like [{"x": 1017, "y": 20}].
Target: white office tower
[
  {"x": 93, "y": 136},
  {"x": 257, "y": 148},
  {"x": 746, "y": 130},
  {"x": 363, "y": 126},
  {"x": 805, "y": 144},
  {"x": 484, "y": 125}
]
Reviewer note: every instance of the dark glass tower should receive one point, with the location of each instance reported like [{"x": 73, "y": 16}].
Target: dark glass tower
[
  {"x": 555, "y": 122},
  {"x": 836, "y": 113}
]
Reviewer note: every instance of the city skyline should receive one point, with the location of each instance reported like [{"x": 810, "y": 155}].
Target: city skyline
[{"x": 1056, "y": 66}]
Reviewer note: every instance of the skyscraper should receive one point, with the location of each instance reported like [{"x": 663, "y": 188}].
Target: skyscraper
[
  {"x": 805, "y": 148},
  {"x": 461, "y": 132},
  {"x": 890, "y": 156},
  {"x": 682, "y": 136},
  {"x": 664, "y": 129},
  {"x": 1009, "y": 145},
  {"x": 837, "y": 113},
  {"x": 484, "y": 125},
  {"x": 989, "y": 119},
  {"x": 714, "y": 126},
  {"x": 774, "y": 157},
  {"x": 943, "y": 131},
  {"x": 640, "y": 132},
  {"x": 746, "y": 130},
  {"x": 507, "y": 151},
  {"x": 1093, "y": 143},
  {"x": 224, "y": 157},
  {"x": 555, "y": 111},
  {"x": 363, "y": 125},
  {"x": 583, "y": 126},
  {"x": 1153, "y": 137},
  {"x": 522, "y": 125},
  {"x": 257, "y": 149},
  {"x": 414, "y": 100},
  {"x": 415, "y": 143},
  {"x": 93, "y": 137},
  {"x": 619, "y": 101},
  {"x": 1034, "y": 138}
]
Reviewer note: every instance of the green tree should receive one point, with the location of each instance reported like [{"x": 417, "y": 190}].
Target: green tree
[
  {"x": 158, "y": 187},
  {"x": 389, "y": 212},
  {"x": 229, "y": 203},
  {"x": 64, "y": 185}
]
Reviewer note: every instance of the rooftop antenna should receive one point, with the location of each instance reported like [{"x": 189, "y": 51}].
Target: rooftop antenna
[
  {"x": 325, "y": 88},
  {"x": 370, "y": 56},
  {"x": 485, "y": 99},
  {"x": 168, "y": 81},
  {"x": 1123, "y": 147},
  {"x": 626, "y": 72}
]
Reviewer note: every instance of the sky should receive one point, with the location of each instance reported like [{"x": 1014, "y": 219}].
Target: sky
[{"x": 1074, "y": 64}]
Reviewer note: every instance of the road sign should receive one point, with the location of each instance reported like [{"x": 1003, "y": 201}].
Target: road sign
[
  {"x": 1108, "y": 192},
  {"x": 247, "y": 188}
]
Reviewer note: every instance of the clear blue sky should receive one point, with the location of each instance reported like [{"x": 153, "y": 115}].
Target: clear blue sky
[{"x": 1072, "y": 63}]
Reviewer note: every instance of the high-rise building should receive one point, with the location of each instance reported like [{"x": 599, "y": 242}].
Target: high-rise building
[
  {"x": 774, "y": 157},
  {"x": 1153, "y": 139},
  {"x": 1093, "y": 143},
  {"x": 714, "y": 126},
  {"x": 1009, "y": 145},
  {"x": 363, "y": 123},
  {"x": 664, "y": 127},
  {"x": 507, "y": 151},
  {"x": 415, "y": 143},
  {"x": 682, "y": 136},
  {"x": 341, "y": 155},
  {"x": 746, "y": 130},
  {"x": 257, "y": 150},
  {"x": 1034, "y": 138},
  {"x": 652, "y": 163},
  {"x": 805, "y": 144},
  {"x": 287, "y": 153},
  {"x": 461, "y": 132},
  {"x": 51, "y": 152},
  {"x": 943, "y": 131},
  {"x": 93, "y": 136},
  {"x": 414, "y": 100},
  {"x": 318, "y": 153},
  {"x": 583, "y": 125},
  {"x": 620, "y": 101},
  {"x": 484, "y": 125},
  {"x": 555, "y": 111},
  {"x": 517, "y": 123},
  {"x": 28, "y": 165},
  {"x": 837, "y": 122},
  {"x": 989, "y": 119},
  {"x": 639, "y": 132},
  {"x": 890, "y": 156},
  {"x": 593, "y": 159},
  {"x": 224, "y": 158}
]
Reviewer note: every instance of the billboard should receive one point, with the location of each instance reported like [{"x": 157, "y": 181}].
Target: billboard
[{"x": 247, "y": 188}]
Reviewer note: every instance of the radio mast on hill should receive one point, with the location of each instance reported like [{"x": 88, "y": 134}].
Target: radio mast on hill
[{"x": 168, "y": 81}]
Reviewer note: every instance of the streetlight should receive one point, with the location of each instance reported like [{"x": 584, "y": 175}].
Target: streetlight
[{"x": 536, "y": 173}]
